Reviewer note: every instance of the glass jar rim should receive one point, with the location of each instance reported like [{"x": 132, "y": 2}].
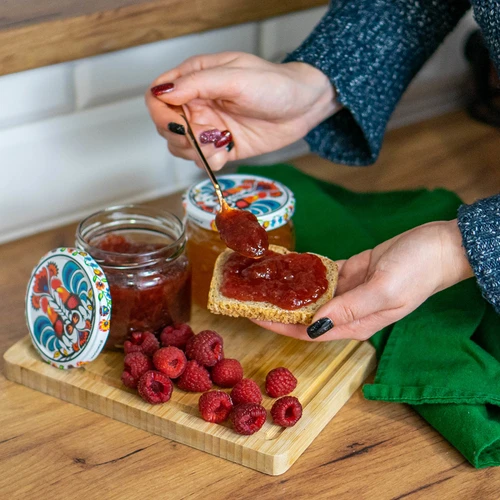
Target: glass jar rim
[{"x": 169, "y": 251}]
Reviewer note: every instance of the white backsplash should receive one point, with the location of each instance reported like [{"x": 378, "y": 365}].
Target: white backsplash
[{"x": 76, "y": 137}]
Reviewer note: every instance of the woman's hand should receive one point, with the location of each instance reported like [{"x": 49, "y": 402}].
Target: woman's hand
[
  {"x": 264, "y": 106},
  {"x": 380, "y": 286}
]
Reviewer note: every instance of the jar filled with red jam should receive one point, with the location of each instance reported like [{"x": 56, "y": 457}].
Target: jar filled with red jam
[
  {"x": 272, "y": 203},
  {"x": 141, "y": 251}
]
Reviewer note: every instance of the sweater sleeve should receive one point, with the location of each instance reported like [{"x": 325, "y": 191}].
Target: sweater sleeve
[
  {"x": 480, "y": 222},
  {"x": 487, "y": 15},
  {"x": 370, "y": 50}
]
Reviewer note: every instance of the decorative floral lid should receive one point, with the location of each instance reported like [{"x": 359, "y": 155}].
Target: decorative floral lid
[
  {"x": 270, "y": 201},
  {"x": 68, "y": 308}
]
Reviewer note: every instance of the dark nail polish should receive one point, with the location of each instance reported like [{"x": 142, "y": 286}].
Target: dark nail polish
[
  {"x": 319, "y": 327},
  {"x": 225, "y": 139},
  {"x": 209, "y": 136},
  {"x": 230, "y": 146},
  {"x": 176, "y": 128},
  {"x": 162, "y": 89}
]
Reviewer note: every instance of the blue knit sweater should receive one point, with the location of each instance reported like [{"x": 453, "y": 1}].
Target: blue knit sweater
[{"x": 371, "y": 50}]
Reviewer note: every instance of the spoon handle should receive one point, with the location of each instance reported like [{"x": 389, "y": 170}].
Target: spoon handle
[{"x": 192, "y": 140}]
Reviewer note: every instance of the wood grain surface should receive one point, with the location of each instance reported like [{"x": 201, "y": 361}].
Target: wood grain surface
[
  {"x": 38, "y": 33},
  {"x": 370, "y": 450}
]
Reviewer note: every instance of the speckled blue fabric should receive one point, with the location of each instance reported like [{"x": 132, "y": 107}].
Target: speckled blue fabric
[
  {"x": 480, "y": 227},
  {"x": 370, "y": 50}
]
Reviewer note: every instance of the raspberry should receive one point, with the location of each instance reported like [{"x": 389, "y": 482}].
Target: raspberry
[
  {"x": 195, "y": 378},
  {"x": 144, "y": 342},
  {"x": 206, "y": 348},
  {"x": 170, "y": 360},
  {"x": 286, "y": 411},
  {"x": 155, "y": 387},
  {"x": 176, "y": 335},
  {"x": 227, "y": 373},
  {"x": 280, "y": 382},
  {"x": 136, "y": 364},
  {"x": 246, "y": 391},
  {"x": 215, "y": 406},
  {"x": 248, "y": 418}
]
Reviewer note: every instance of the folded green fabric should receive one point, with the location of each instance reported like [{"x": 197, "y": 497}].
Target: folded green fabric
[{"x": 444, "y": 358}]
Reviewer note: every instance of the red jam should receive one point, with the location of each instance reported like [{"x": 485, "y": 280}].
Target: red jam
[
  {"x": 146, "y": 297},
  {"x": 240, "y": 230},
  {"x": 288, "y": 281}
]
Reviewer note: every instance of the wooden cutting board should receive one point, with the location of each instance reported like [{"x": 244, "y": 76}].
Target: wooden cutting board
[{"x": 328, "y": 373}]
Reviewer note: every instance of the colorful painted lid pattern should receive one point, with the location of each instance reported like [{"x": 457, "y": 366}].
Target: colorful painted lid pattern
[
  {"x": 271, "y": 202},
  {"x": 68, "y": 308}
]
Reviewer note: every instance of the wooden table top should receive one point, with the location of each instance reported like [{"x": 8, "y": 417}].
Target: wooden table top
[
  {"x": 36, "y": 33},
  {"x": 52, "y": 449}
]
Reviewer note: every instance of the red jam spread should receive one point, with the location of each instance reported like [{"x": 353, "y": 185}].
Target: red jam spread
[
  {"x": 120, "y": 244},
  {"x": 146, "y": 297},
  {"x": 240, "y": 230},
  {"x": 288, "y": 281}
]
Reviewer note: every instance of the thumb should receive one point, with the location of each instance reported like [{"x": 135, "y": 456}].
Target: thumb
[
  {"x": 211, "y": 84},
  {"x": 354, "y": 305}
]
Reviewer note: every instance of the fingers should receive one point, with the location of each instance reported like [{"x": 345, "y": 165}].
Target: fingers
[
  {"x": 211, "y": 139},
  {"x": 212, "y": 84},
  {"x": 352, "y": 272},
  {"x": 357, "y": 303},
  {"x": 196, "y": 63},
  {"x": 295, "y": 331},
  {"x": 364, "y": 328},
  {"x": 357, "y": 314}
]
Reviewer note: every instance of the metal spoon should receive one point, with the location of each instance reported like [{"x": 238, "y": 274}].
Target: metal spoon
[
  {"x": 238, "y": 229},
  {"x": 192, "y": 140}
]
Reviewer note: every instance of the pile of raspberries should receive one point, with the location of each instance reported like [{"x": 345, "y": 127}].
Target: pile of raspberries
[{"x": 195, "y": 362}]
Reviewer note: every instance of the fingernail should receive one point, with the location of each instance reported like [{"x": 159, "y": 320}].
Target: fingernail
[
  {"x": 225, "y": 139},
  {"x": 176, "y": 128},
  {"x": 319, "y": 327},
  {"x": 162, "y": 89},
  {"x": 209, "y": 136},
  {"x": 230, "y": 146}
]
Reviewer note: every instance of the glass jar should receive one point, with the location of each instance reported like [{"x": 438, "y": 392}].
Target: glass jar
[
  {"x": 141, "y": 251},
  {"x": 272, "y": 203}
]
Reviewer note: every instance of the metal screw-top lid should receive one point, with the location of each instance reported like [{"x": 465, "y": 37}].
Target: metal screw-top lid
[{"x": 270, "y": 201}]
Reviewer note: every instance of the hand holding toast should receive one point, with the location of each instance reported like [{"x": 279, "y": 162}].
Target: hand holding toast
[{"x": 380, "y": 286}]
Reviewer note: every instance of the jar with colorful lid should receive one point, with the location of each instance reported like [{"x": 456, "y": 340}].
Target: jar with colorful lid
[
  {"x": 271, "y": 202},
  {"x": 141, "y": 251}
]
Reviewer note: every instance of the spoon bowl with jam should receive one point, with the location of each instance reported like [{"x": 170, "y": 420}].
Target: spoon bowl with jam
[{"x": 238, "y": 229}]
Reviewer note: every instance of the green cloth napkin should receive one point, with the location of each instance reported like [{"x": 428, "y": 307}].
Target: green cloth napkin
[{"x": 444, "y": 358}]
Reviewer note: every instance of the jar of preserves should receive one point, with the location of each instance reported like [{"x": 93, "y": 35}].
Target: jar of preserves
[
  {"x": 272, "y": 203},
  {"x": 141, "y": 251}
]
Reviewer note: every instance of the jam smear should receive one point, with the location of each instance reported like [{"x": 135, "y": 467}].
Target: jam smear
[
  {"x": 288, "y": 281},
  {"x": 240, "y": 230},
  {"x": 146, "y": 298}
]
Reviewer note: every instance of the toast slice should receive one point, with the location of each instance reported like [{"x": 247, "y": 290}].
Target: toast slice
[{"x": 219, "y": 304}]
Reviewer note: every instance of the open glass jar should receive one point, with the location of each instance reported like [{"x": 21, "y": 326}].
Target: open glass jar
[
  {"x": 272, "y": 203},
  {"x": 141, "y": 251}
]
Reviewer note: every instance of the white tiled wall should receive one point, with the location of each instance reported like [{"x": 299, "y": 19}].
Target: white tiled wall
[
  {"x": 128, "y": 72},
  {"x": 36, "y": 94},
  {"x": 76, "y": 137},
  {"x": 282, "y": 35}
]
